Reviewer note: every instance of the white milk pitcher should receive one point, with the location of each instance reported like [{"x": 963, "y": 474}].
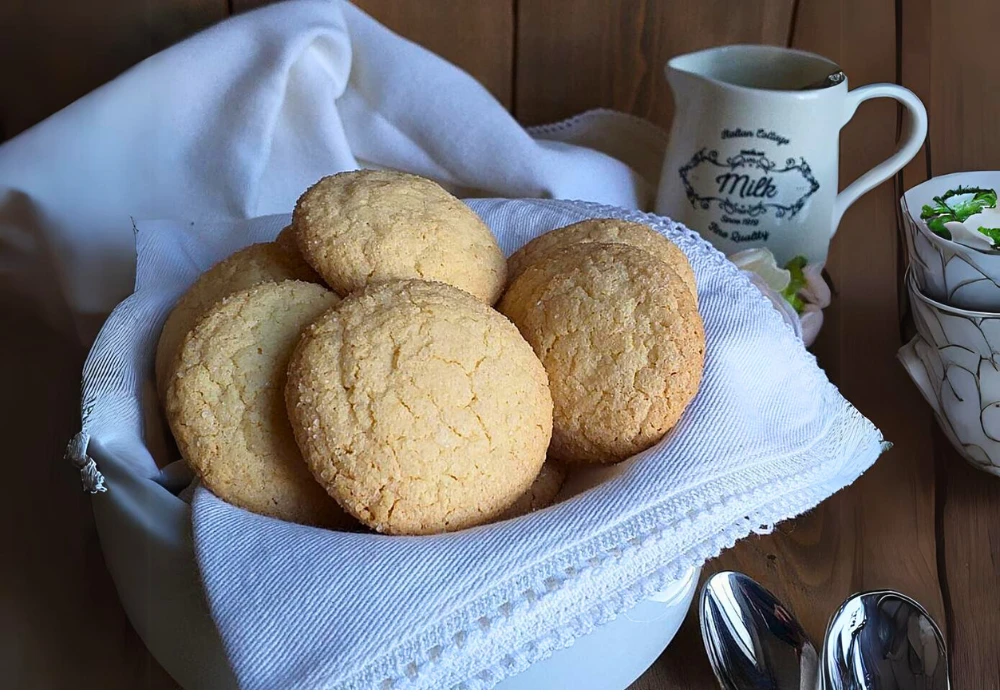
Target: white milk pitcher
[{"x": 754, "y": 148}]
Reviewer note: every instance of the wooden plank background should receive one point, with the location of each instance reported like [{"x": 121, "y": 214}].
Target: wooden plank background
[{"x": 920, "y": 520}]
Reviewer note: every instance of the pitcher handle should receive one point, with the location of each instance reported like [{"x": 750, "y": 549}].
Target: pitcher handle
[{"x": 914, "y": 130}]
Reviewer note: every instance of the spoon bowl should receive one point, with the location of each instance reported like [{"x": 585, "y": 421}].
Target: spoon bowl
[
  {"x": 883, "y": 640},
  {"x": 753, "y": 641}
]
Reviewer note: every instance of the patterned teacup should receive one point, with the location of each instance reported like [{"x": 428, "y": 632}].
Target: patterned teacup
[
  {"x": 955, "y": 362},
  {"x": 946, "y": 271}
]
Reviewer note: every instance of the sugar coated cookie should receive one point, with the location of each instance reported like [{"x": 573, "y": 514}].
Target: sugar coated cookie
[
  {"x": 262, "y": 262},
  {"x": 603, "y": 231},
  {"x": 368, "y": 226},
  {"x": 619, "y": 334},
  {"x": 419, "y": 408},
  {"x": 287, "y": 241},
  {"x": 541, "y": 494},
  {"x": 225, "y": 403}
]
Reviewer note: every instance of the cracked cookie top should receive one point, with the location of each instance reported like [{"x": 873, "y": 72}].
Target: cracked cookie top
[
  {"x": 225, "y": 403},
  {"x": 619, "y": 334},
  {"x": 261, "y": 262},
  {"x": 421, "y": 409},
  {"x": 368, "y": 226},
  {"x": 603, "y": 231}
]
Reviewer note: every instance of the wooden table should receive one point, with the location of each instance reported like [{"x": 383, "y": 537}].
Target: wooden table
[{"x": 920, "y": 520}]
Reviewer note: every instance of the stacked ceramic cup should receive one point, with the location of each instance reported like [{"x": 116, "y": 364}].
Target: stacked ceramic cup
[{"x": 954, "y": 287}]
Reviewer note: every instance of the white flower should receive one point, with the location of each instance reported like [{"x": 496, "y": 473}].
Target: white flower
[
  {"x": 761, "y": 262},
  {"x": 763, "y": 270},
  {"x": 816, "y": 292}
]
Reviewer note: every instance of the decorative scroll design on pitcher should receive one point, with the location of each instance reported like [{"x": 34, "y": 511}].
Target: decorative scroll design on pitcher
[{"x": 748, "y": 183}]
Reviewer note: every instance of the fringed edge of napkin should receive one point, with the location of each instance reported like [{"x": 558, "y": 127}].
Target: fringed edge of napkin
[
  {"x": 766, "y": 517},
  {"x": 777, "y": 502}
]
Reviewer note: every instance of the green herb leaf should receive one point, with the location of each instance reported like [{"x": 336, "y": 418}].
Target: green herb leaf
[
  {"x": 936, "y": 220},
  {"x": 791, "y": 292},
  {"x": 993, "y": 233},
  {"x": 981, "y": 199},
  {"x": 944, "y": 212}
]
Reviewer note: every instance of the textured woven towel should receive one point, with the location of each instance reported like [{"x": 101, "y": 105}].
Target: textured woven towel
[
  {"x": 766, "y": 438},
  {"x": 234, "y": 123}
]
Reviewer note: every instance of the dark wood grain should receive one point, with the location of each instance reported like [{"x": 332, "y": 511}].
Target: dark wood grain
[
  {"x": 237, "y": 6},
  {"x": 63, "y": 626},
  {"x": 921, "y": 520},
  {"x": 854, "y": 541},
  {"x": 941, "y": 62},
  {"x": 894, "y": 502},
  {"x": 574, "y": 55},
  {"x": 961, "y": 91},
  {"x": 969, "y": 540},
  {"x": 54, "y": 51},
  {"x": 476, "y": 36}
]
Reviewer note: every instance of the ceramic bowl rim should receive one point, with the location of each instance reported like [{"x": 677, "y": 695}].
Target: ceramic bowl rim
[
  {"x": 935, "y": 239},
  {"x": 914, "y": 289}
]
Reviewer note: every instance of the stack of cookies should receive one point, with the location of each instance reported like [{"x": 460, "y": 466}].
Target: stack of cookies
[{"x": 354, "y": 370}]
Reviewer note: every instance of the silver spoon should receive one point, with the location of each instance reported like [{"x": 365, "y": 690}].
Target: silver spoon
[
  {"x": 875, "y": 640},
  {"x": 884, "y": 640},
  {"x": 834, "y": 78},
  {"x": 753, "y": 641}
]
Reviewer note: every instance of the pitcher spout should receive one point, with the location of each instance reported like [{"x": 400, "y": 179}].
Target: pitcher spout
[{"x": 752, "y": 67}]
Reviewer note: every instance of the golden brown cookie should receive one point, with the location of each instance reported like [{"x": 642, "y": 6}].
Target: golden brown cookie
[
  {"x": 419, "y": 408},
  {"x": 541, "y": 494},
  {"x": 289, "y": 243},
  {"x": 226, "y": 408},
  {"x": 261, "y": 262},
  {"x": 368, "y": 226},
  {"x": 621, "y": 339},
  {"x": 603, "y": 231}
]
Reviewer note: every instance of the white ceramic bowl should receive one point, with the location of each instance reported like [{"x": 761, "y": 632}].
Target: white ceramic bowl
[
  {"x": 945, "y": 271},
  {"x": 955, "y": 362},
  {"x": 145, "y": 533}
]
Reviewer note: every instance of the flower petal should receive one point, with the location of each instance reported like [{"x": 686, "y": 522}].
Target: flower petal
[
  {"x": 761, "y": 262},
  {"x": 816, "y": 290}
]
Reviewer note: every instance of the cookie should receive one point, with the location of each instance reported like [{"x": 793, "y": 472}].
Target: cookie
[
  {"x": 603, "y": 231},
  {"x": 368, "y": 226},
  {"x": 262, "y": 262},
  {"x": 419, "y": 408},
  {"x": 619, "y": 334},
  {"x": 287, "y": 241},
  {"x": 225, "y": 404},
  {"x": 541, "y": 494}
]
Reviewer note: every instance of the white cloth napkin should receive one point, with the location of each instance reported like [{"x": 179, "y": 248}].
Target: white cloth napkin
[
  {"x": 238, "y": 120},
  {"x": 234, "y": 123},
  {"x": 766, "y": 438}
]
